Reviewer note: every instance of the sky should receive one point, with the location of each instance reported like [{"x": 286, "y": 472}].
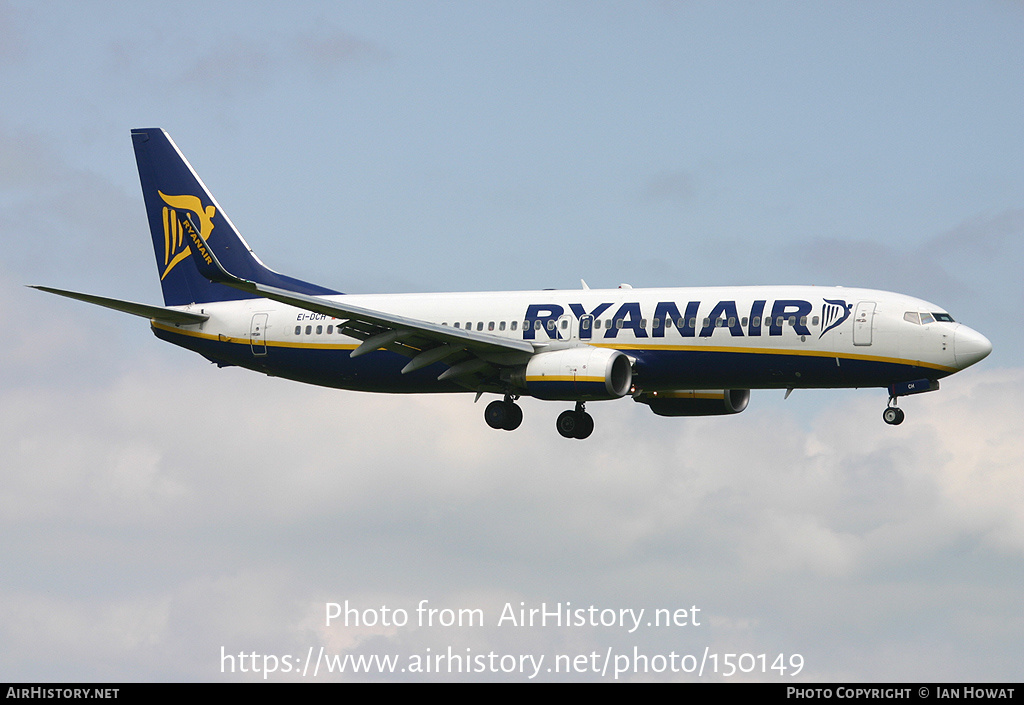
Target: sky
[{"x": 162, "y": 517}]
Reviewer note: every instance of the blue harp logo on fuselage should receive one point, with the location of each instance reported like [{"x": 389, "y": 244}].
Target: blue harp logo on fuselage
[{"x": 833, "y": 313}]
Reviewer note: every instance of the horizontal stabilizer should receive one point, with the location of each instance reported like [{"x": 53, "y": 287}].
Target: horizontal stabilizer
[{"x": 159, "y": 313}]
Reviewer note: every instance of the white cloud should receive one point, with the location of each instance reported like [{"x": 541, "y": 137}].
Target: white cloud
[{"x": 258, "y": 499}]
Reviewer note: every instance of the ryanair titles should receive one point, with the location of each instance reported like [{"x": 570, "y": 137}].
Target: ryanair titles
[
  {"x": 692, "y": 320},
  {"x": 197, "y": 241}
]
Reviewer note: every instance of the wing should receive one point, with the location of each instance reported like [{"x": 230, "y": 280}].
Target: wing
[{"x": 473, "y": 358}]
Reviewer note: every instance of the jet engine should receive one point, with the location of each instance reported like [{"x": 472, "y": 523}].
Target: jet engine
[
  {"x": 576, "y": 374},
  {"x": 695, "y": 402}
]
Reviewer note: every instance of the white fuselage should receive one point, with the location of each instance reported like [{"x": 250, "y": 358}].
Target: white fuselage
[{"x": 717, "y": 337}]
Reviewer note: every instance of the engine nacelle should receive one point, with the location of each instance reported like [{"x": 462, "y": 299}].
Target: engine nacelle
[
  {"x": 577, "y": 374},
  {"x": 696, "y": 402}
]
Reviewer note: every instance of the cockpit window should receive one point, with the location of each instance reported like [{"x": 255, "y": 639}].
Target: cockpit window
[{"x": 922, "y": 318}]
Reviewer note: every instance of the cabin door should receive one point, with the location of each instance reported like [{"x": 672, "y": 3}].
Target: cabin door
[
  {"x": 863, "y": 320},
  {"x": 258, "y": 334}
]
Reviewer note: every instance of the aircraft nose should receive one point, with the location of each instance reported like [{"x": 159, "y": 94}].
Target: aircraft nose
[{"x": 969, "y": 346}]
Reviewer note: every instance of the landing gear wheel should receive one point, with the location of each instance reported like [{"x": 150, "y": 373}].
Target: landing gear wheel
[
  {"x": 893, "y": 416},
  {"x": 575, "y": 424},
  {"x": 503, "y": 415},
  {"x": 584, "y": 425},
  {"x": 495, "y": 414},
  {"x": 566, "y": 424},
  {"x": 514, "y": 417}
]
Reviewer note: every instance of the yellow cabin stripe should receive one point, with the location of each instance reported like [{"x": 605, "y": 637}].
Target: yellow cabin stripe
[
  {"x": 247, "y": 341},
  {"x": 779, "y": 351},
  {"x": 623, "y": 347},
  {"x": 564, "y": 378}
]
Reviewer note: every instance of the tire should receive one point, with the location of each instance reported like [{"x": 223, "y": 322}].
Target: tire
[
  {"x": 584, "y": 425},
  {"x": 496, "y": 415},
  {"x": 566, "y": 424},
  {"x": 893, "y": 416},
  {"x": 513, "y": 417}
]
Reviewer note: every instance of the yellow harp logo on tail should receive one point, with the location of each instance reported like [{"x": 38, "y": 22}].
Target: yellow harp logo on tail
[{"x": 176, "y": 247}]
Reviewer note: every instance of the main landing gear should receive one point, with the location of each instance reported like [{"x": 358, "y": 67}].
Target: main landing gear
[
  {"x": 575, "y": 424},
  {"x": 503, "y": 415},
  {"x": 893, "y": 415},
  {"x": 506, "y": 415}
]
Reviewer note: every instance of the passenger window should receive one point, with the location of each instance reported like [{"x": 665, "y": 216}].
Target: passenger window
[
  {"x": 501, "y": 326},
  {"x": 319, "y": 330},
  {"x": 814, "y": 321},
  {"x": 551, "y": 325},
  {"x": 480, "y": 325},
  {"x": 803, "y": 321},
  {"x": 756, "y": 322},
  {"x": 330, "y": 330},
  {"x": 456, "y": 324},
  {"x": 298, "y": 330},
  {"x": 309, "y": 329},
  {"x": 514, "y": 323},
  {"x": 732, "y": 321},
  {"x": 643, "y": 323},
  {"x": 618, "y": 324},
  {"x": 743, "y": 321},
  {"x": 585, "y": 324},
  {"x": 565, "y": 324}
]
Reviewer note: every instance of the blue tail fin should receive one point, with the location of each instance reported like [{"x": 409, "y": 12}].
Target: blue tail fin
[{"x": 178, "y": 202}]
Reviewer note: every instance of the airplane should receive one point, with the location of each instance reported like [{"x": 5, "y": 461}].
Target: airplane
[{"x": 680, "y": 351}]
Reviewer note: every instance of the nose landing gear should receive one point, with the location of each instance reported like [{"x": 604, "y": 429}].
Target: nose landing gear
[{"x": 893, "y": 415}]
